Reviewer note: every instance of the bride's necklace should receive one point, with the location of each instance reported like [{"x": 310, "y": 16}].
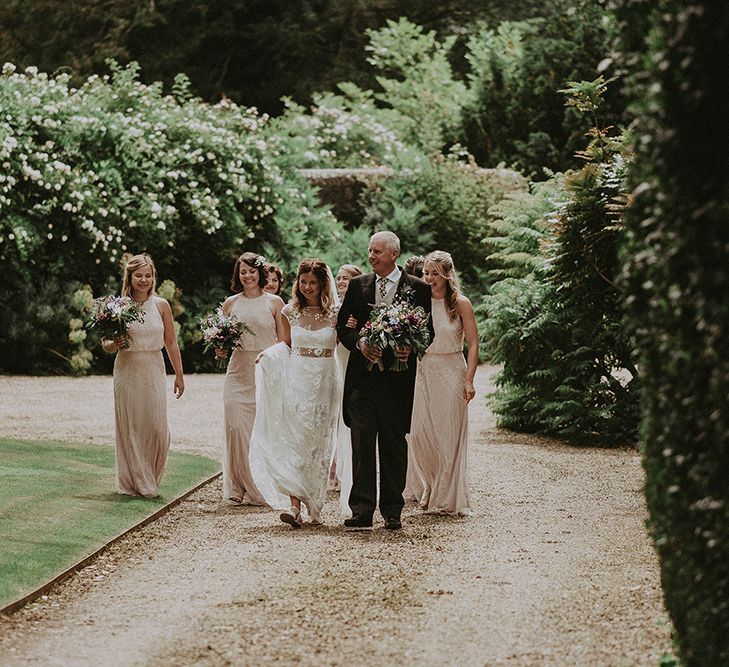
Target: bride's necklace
[{"x": 317, "y": 316}]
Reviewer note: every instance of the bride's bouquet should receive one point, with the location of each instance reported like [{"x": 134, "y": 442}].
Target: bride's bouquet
[
  {"x": 111, "y": 316},
  {"x": 396, "y": 326},
  {"x": 222, "y": 331}
]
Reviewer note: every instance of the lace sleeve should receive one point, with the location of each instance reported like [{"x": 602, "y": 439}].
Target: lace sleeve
[
  {"x": 289, "y": 313},
  {"x": 332, "y": 317}
]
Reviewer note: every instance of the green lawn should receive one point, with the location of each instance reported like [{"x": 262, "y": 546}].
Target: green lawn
[{"x": 58, "y": 504}]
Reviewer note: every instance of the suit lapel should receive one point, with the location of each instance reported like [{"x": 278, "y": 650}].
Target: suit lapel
[
  {"x": 404, "y": 281},
  {"x": 368, "y": 289}
]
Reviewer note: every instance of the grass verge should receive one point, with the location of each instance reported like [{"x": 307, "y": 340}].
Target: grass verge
[{"x": 58, "y": 504}]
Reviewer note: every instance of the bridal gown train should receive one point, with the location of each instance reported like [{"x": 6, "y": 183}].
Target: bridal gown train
[{"x": 298, "y": 400}]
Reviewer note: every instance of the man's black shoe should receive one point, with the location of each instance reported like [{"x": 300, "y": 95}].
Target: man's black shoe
[
  {"x": 358, "y": 523},
  {"x": 392, "y": 522}
]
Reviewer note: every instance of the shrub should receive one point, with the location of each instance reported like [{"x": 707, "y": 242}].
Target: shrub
[
  {"x": 417, "y": 83},
  {"x": 555, "y": 322},
  {"x": 117, "y": 166},
  {"x": 340, "y": 131},
  {"x": 442, "y": 205},
  {"x": 513, "y": 112}
]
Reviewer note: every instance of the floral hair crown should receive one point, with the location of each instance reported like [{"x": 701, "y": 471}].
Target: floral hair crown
[{"x": 260, "y": 261}]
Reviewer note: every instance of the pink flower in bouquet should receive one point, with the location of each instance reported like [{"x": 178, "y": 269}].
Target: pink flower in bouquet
[
  {"x": 223, "y": 331},
  {"x": 397, "y": 326},
  {"x": 111, "y": 316}
]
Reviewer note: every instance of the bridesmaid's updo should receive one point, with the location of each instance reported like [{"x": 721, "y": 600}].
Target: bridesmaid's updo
[
  {"x": 253, "y": 260},
  {"x": 134, "y": 263},
  {"x": 321, "y": 271},
  {"x": 444, "y": 267}
]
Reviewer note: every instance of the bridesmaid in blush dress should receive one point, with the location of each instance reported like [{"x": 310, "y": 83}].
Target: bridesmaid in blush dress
[
  {"x": 443, "y": 388},
  {"x": 140, "y": 403},
  {"x": 261, "y": 312}
]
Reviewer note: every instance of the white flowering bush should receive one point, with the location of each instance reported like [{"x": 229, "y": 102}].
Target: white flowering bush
[
  {"x": 341, "y": 131},
  {"x": 117, "y": 166}
]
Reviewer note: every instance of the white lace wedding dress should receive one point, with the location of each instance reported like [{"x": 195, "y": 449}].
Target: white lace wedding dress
[{"x": 298, "y": 400}]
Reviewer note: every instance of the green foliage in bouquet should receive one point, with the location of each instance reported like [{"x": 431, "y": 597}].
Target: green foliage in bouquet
[
  {"x": 554, "y": 317},
  {"x": 677, "y": 279}
]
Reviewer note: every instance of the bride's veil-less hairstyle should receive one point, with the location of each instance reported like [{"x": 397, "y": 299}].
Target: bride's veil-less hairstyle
[
  {"x": 444, "y": 267},
  {"x": 134, "y": 263},
  {"x": 253, "y": 260},
  {"x": 327, "y": 296}
]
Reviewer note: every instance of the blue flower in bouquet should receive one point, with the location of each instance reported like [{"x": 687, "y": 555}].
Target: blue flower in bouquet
[
  {"x": 111, "y": 316},
  {"x": 221, "y": 331}
]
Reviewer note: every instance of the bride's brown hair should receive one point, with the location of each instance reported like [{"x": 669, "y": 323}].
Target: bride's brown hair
[{"x": 320, "y": 270}]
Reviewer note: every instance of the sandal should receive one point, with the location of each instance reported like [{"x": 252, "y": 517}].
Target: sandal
[{"x": 292, "y": 517}]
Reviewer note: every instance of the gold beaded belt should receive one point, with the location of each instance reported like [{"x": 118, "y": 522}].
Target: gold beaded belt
[{"x": 313, "y": 352}]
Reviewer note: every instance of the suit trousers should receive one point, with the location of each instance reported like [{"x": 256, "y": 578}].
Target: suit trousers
[{"x": 379, "y": 414}]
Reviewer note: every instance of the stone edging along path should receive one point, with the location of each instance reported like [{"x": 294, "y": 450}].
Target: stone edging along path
[{"x": 86, "y": 560}]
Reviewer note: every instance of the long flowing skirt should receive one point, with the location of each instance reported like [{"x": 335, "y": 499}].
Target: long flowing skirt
[
  {"x": 295, "y": 431},
  {"x": 142, "y": 434},
  {"x": 439, "y": 435},
  {"x": 239, "y": 406}
]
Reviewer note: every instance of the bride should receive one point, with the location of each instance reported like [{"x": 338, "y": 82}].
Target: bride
[{"x": 298, "y": 399}]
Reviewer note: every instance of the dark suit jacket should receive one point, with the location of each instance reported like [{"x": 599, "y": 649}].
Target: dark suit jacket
[{"x": 358, "y": 301}]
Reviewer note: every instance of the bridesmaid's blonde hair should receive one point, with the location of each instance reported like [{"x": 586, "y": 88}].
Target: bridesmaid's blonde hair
[
  {"x": 444, "y": 267},
  {"x": 134, "y": 263},
  {"x": 319, "y": 269},
  {"x": 352, "y": 270}
]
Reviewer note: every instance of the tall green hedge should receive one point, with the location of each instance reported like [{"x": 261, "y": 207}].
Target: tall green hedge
[{"x": 677, "y": 278}]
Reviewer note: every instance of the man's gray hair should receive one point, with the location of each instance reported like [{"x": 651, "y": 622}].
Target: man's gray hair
[{"x": 391, "y": 240}]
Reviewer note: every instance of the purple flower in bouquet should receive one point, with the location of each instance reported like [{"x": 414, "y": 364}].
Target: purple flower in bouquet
[
  {"x": 223, "y": 331},
  {"x": 397, "y": 326},
  {"x": 111, "y": 316}
]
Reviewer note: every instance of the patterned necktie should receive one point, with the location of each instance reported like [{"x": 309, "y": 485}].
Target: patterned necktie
[{"x": 382, "y": 288}]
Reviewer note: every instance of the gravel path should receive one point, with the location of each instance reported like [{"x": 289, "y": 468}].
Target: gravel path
[{"x": 554, "y": 568}]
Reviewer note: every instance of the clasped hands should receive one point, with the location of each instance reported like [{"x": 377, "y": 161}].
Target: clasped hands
[{"x": 374, "y": 354}]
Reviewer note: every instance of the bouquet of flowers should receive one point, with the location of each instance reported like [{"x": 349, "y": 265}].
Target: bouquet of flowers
[
  {"x": 397, "y": 326},
  {"x": 112, "y": 315},
  {"x": 222, "y": 331}
]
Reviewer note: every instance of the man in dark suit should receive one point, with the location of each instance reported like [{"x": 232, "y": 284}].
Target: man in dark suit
[{"x": 378, "y": 403}]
